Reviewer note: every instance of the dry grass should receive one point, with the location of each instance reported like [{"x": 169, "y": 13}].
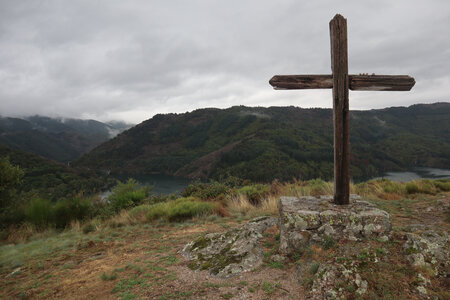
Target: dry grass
[
  {"x": 122, "y": 219},
  {"x": 75, "y": 226},
  {"x": 308, "y": 188},
  {"x": 240, "y": 204},
  {"x": 21, "y": 234}
]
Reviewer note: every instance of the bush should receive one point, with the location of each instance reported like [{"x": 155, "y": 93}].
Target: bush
[
  {"x": 189, "y": 208},
  {"x": 66, "y": 210},
  {"x": 254, "y": 193},
  {"x": 412, "y": 188},
  {"x": 39, "y": 212},
  {"x": 180, "y": 209},
  {"x": 427, "y": 187},
  {"x": 443, "y": 185},
  {"x": 157, "y": 211},
  {"x": 205, "y": 191},
  {"x": 126, "y": 195},
  {"x": 88, "y": 228},
  {"x": 138, "y": 210}
]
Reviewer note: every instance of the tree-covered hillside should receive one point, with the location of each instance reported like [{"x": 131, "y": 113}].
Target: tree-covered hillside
[
  {"x": 262, "y": 144},
  {"x": 52, "y": 180},
  {"x": 62, "y": 140}
]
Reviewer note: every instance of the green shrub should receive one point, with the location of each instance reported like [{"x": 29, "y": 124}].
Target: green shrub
[
  {"x": 314, "y": 267},
  {"x": 66, "y": 210},
  {"x": 108, "y": 277},
  {"x": 157, "y": 211},
  {"x": 126, "y": 195},
  {"x": 328, "y": 243},
  {"x": 205, "y": 191},
  {"x": 392, "y": 187},
  {"x": 254, "y": 193},
  {"x": 180, "y": 209},
  {"x": 188, "y": 208},
  {"x": 39, "y": 212},
  {"x": 319, "y": 187},
  {"x": 10, "y": 176},
  {"x": 427, "y": 187},
  {"x": 443, "y": 185},
  {"x": 88, "y": 228},
  {"x": 412, "y": 188},
  {"x": 137, "y": 210}
]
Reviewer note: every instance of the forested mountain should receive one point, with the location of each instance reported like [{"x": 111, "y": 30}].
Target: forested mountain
[
  {"x": 62, "y": 140},
  {"x": 262, "y": 144}
]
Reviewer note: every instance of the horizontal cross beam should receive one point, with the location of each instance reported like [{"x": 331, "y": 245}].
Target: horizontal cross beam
[{"x": 356, "y": 82}]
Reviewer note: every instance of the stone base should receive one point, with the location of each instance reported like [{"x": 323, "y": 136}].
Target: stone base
[{"x": 309, "y": 220}]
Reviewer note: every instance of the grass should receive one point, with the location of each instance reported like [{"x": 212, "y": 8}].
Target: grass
[
  {"x": 269, "y": 288},
  {"x": 181, "y": 209},
  {"x": 17, "y": 255},
  {"x": 139, "y": 255},
  {"x": 108, "y": 277}
]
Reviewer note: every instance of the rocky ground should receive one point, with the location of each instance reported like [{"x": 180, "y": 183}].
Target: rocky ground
[{"x": 147, "y": 261}]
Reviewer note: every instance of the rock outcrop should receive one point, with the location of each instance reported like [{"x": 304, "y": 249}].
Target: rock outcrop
[
  {"x": 309, "y": 219},
  {"x": 429, "y": 249},
  {"x": 227, "y": 254}
]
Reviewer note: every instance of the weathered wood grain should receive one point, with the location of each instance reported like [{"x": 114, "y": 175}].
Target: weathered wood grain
[
  {"x": 356, "y": 82},
  {"x": 296, "y": 82},
  {"x": 381, "y": 82},
  {"x": 341, "y": 114}
]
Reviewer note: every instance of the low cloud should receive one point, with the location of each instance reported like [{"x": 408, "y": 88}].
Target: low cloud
[{"x": 129, "y": 60}]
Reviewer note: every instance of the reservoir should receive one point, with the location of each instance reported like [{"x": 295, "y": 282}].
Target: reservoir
[
  {"x": 418, "y": 173},
  {"x": 162, "y": 184},
  {"x": 166, "y": 184}
]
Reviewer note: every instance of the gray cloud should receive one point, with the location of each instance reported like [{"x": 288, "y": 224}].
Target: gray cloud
[{"x": 132, "y": 59}]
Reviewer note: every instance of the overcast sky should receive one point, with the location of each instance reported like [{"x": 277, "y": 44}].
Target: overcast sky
[{"x": 128, "y": 60}]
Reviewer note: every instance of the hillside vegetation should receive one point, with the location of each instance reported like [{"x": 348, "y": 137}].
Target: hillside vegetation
[
  {"x": 262, "y": 144},
  {"x": 62, "y": 140},
  {"x": 26, "y": 179}
]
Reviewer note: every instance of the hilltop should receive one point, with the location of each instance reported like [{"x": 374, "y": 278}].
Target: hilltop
[
  {"x": 262, "y": 144},
  {"x": 135, "y": 254}
]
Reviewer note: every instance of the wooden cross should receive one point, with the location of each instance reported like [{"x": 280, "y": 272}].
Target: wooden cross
[{"x": 340, "y": 82}]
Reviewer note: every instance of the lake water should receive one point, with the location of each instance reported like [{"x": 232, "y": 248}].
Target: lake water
[
  {"x": 162, "y": 184},
  {"x": 165, "y": 184},
  {"x": 418, "y": 173}
]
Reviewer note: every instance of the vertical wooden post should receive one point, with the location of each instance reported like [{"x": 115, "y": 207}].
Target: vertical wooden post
[{"x": 339, "y": 67}]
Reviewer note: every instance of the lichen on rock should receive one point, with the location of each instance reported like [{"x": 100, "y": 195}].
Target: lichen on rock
[
  {"x": 429, "y": 249},
  {"x": 310, "y": 219},
  {"x": 227, "y": 254}
]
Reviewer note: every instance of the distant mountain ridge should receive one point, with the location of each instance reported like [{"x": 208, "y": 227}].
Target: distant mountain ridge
[
  {"x": 263, "y": 144},
  {"x": 59, "y": 139}
]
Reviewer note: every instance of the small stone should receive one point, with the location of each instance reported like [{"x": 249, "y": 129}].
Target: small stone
[
  {"x": 422, "y": 290},
  {"x": 383, "y": 238},
  {"x": 327, "y": 230},
  {"x": 422, "y": 280},
  {"x": 278, "y": 258},
  {"x": 14, "y": 272}
]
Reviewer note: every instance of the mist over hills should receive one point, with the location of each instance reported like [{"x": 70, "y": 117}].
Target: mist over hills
[
  {"x": 59, "y": 139},
  {"x": 262, "y": 144}
]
